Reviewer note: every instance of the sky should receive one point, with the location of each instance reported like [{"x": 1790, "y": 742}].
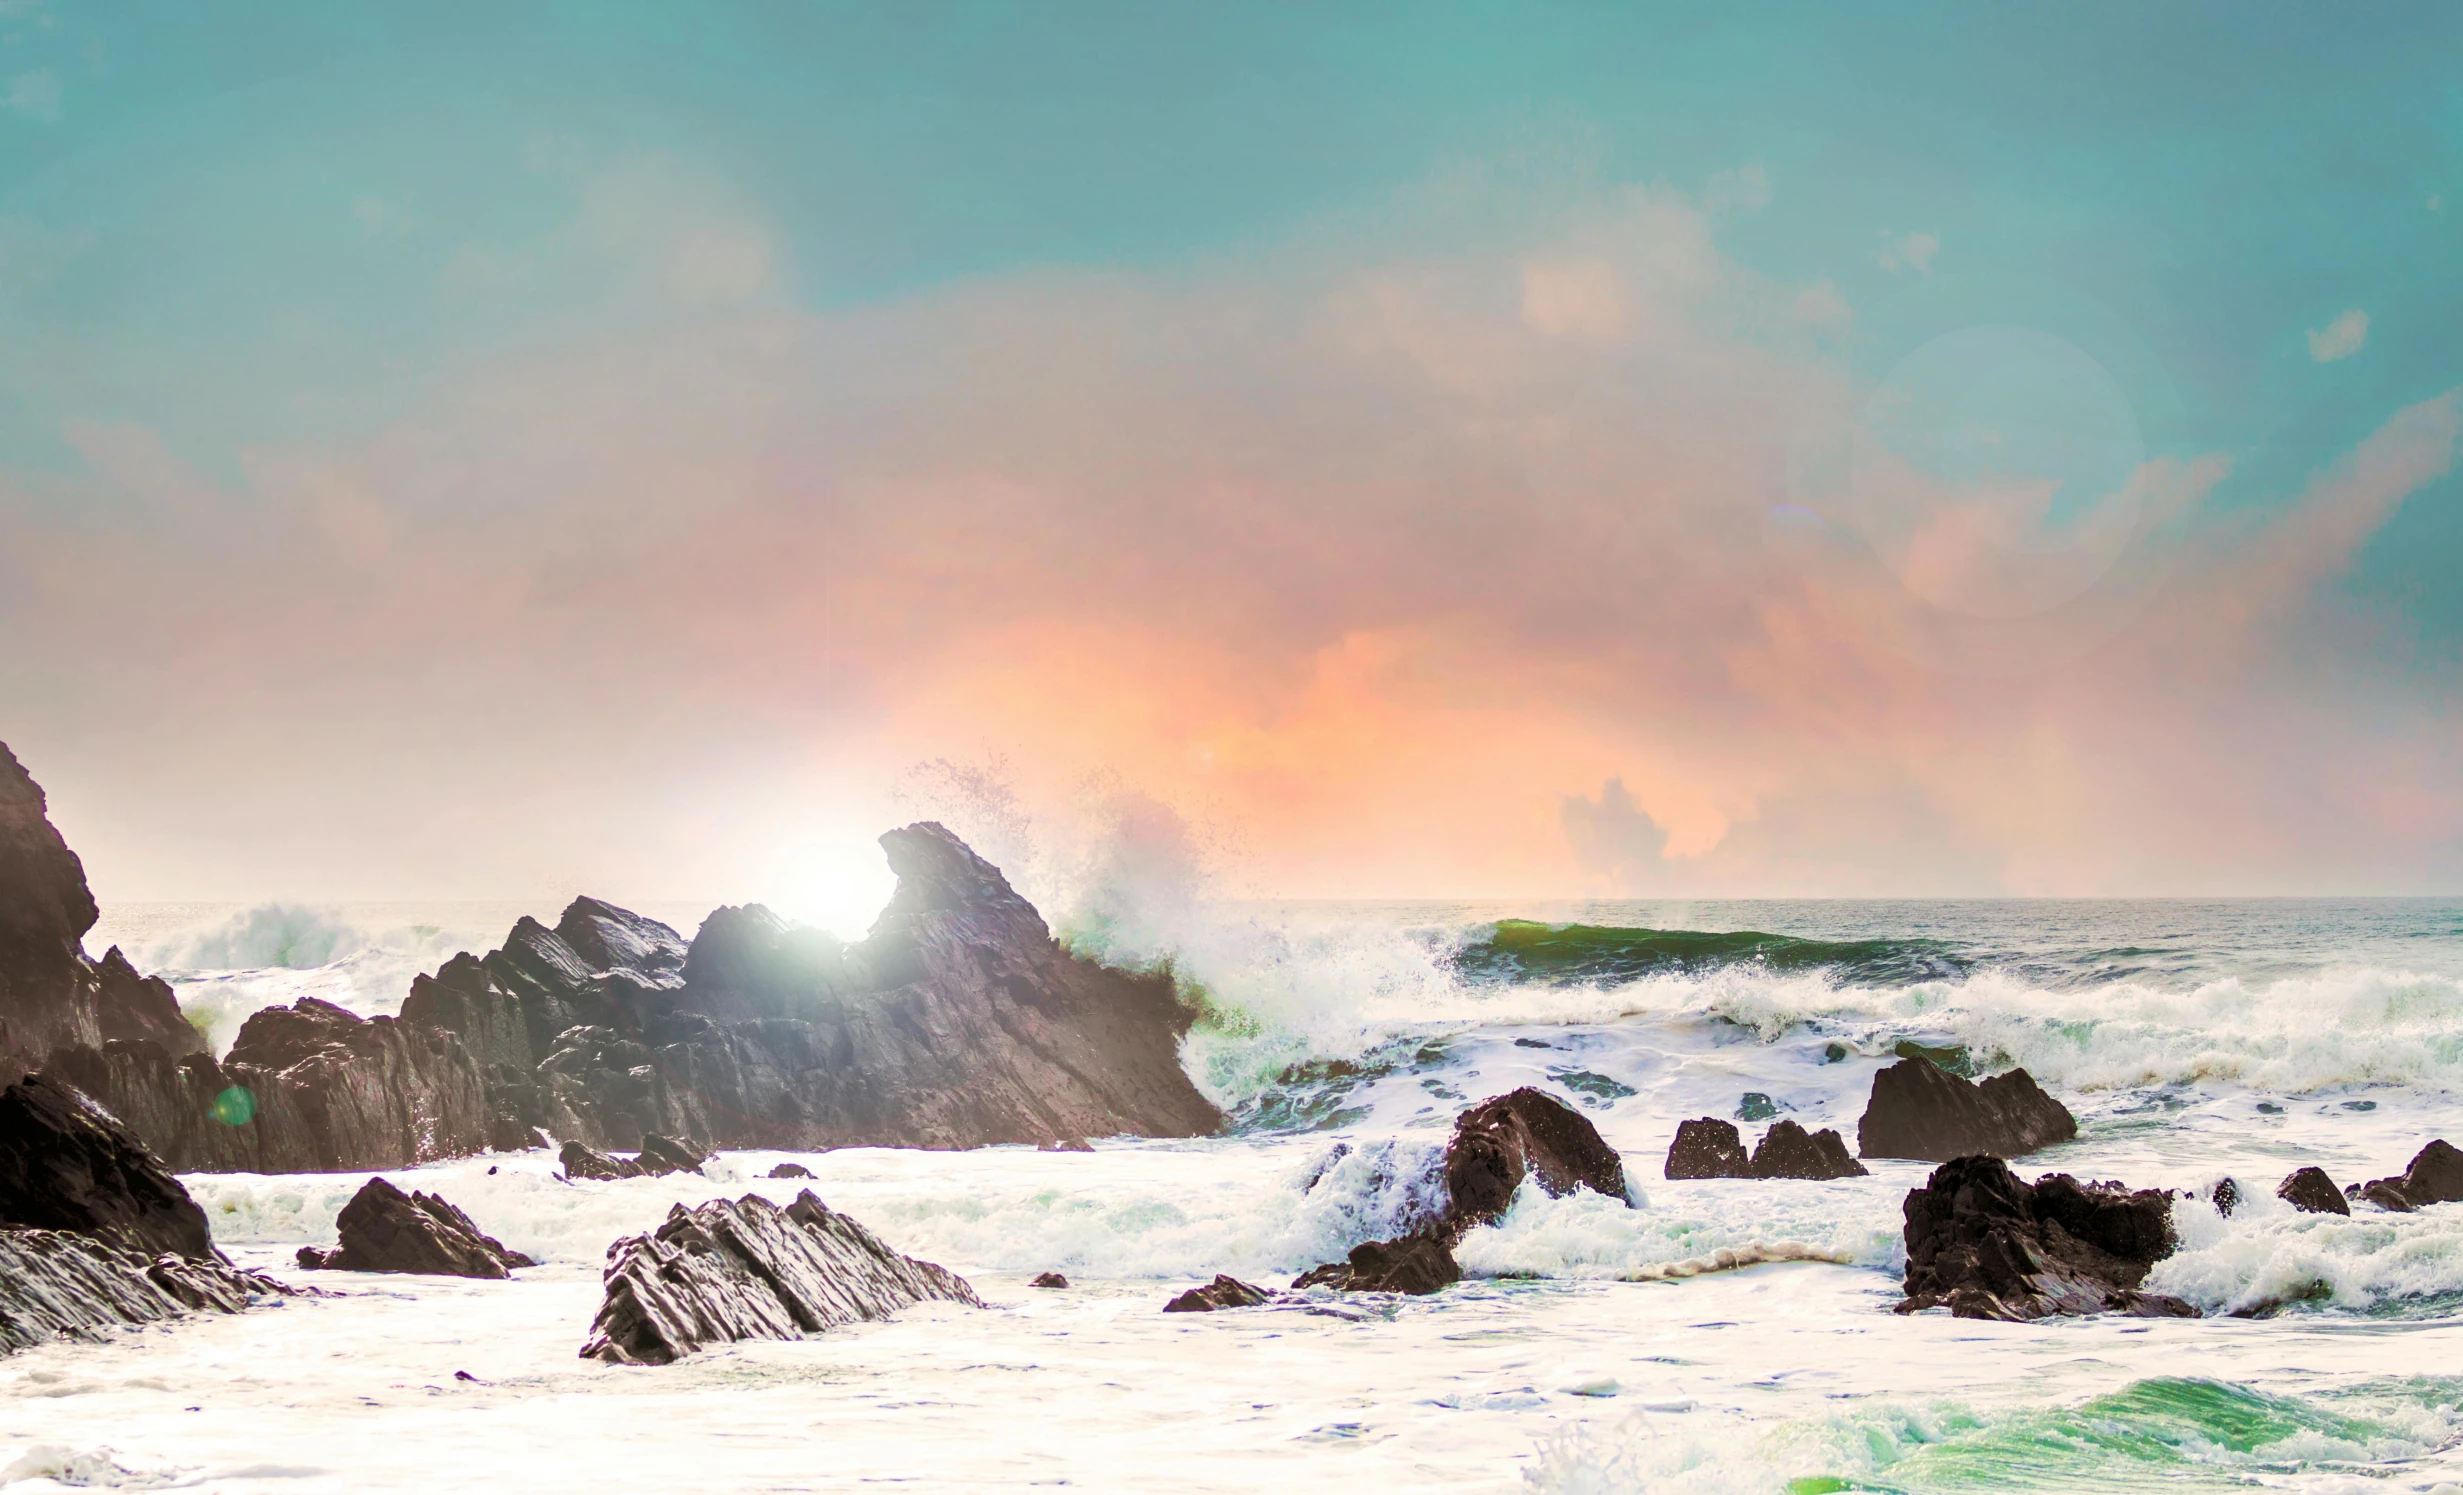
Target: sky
[{"x": 473, "y": 451}]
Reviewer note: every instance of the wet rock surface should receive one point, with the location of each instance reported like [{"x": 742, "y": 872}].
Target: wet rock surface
[
  {"x": 746, "y": 1269},
  {"x": 1987, "y": 1245},
  {"x": 1523, "y": 1133},
  {"x": 2312, "y": 1192},
  {"x": 1222, "y": 1292},
  {"x": 2435, "y": 1177},
  {"x": 790, "y": 1170},
  {"x": 1787, "y": 1150},
  {"x": 57, "y": 1284},
  {"x": 386, "y": 1230},
  {"x": 1049, "y": 1279},
  {"x": 1707, "y": 1147},
  {"x": 658, "y": 1157},
  {"x": 66, "y": 1164},
  {"x": 1920, "y": 1111},
  {"x": 1416, "y": 1264}
]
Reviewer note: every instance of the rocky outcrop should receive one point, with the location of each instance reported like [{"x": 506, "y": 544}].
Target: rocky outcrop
[
  {"x": 2435, "y": 1177},
  {"x": 1049, "y": 1279},
  {"x": 1415, "y": 1264},
  {"x": 57, "y": 1284},
  {"x": 658, "y": 1157},
  {"x": 307, "y": 1088},
  {"x": 1710, "y": 1148},
  {"x": 1986, "y": 1245},
  {"x": 750, "y": 1270},
  {"x": 51, "y": 995},
  {"x": 957, "y": 1022},
  {"x": 67, "y": 1165},
  {"x": 1525, "y": 1133},
  {"x": 790, "y": 1170},
  {"x": 386, "y": 1230},
  {"x": 2311, "y": 1192},
  {"x": 1222, "y": 1292},
  {"x": 1919, "y": 1111},
  {"x": 1707, "y": 1147}
]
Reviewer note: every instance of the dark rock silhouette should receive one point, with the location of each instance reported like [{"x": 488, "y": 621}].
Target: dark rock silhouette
[
  {"x": 2225, "y": 1196},
  {"x": 658, "y": 1156},
  {"x": 790, "y": 1170},
  {"x": 51, "y": 995},
  {"x": 1524, "y": 1133},
  {"x": 1989, "y": 1246},
  {"x": 663, "y": 1155},
  {"x": 1919, "y": 1111},
  {"x": 1222, "y": 1292},
  {"x": 1789, "y": 1151},
  {"x": 1049, "y": 1279},
  {"x": 747, "y": 1269},
  {"x": 386, "y": 1230},
  {"x": 57, "y": 1284},
  {"x": 1416, "y": 1264},
  {"x": 307, "y": 1088},
  {"x": 1707, "y": 1147},
  {"x": 2435, "y": 1177},
  {"x": 2312, "y": 1192},
  {"x": 66, "y": 1164}
]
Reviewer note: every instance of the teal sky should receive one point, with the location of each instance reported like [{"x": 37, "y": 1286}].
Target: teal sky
[{"x": 248, "y": 228}]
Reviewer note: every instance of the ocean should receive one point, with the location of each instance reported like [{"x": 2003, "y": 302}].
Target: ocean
[{"x": 1714, "y": 1335}]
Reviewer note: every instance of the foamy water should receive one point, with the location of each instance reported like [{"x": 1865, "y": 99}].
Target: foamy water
[{"x": 1716, "y": 1335}]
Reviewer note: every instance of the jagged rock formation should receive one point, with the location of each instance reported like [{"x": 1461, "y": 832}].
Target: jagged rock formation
[
  {"x": 958, "y": 1022},
  {"x": 67, "y": 1165},
  {"x": 2435, "y": 1177},
  {"x": 2310, "y": 1191},
  {"x": 1710, "y": 1148},
  {"x": 386, "y": 1230},
  {"x": 1707, "y": 1147},
  {"x": 1919, "y": 1111},
  {"x": 750, "y": 1270},
  {"x": 94, "y": 1233},
  {"x": 1415, "y": 1264},
  {"x": 658, "y": 1156},
  {"x": 1222, "y": 1292},
  {"x": 306, "y": 1088},
  {"x": 1524, "y": 1133},
  {"x": 51, "y": 995},
  {"x": 1989, "y": 1246}
]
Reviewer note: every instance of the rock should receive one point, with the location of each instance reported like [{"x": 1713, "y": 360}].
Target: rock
[
  {"x": 1989, "y": 1246},
  {"x": 582, "y": 1161},
  {"x": 2225, "y": 1196},
  {"x": 1524, "y": 1133},
  {"x": 2312, "y": 1192},
  {"x": 1788, "y": 1151},
  {"x": 1049, "y": 1279},
  {"x": 1065, "y": 1144},
  {"x": 309, "y": 1088},
  {"x": 790, "y": 1170},
  {"x": 1415, "y": 1264},
  {"x": 660, "y": 1156},
  {"x": 66, "y": 1164},
  {"x": 1222, "y": 1292},
  {"x": 750, "y": 1270},
  {"x": 61, "y": 1285},
  {"x": 2435, "y": 1177},
  {"x": 1918, "y": 1111},
  {"x": 51, "y": 996},
  {"x": 386, "y": 1230},
  {"x": 1707, "y": 1147}
]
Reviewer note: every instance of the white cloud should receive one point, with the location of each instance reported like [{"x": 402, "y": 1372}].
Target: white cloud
[
  {"x": 35, "y": 95},
  {"x": 2340, "y": 338},
  {"x": 1909, "y": 252}
]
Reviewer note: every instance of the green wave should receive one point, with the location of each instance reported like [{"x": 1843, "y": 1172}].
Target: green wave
[{"x": 1522, "y": 950}]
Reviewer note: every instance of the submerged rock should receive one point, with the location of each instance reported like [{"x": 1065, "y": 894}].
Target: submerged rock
[
  {"x": 2312, "y": 1192},
  {"x": 1789, "y": 1151},
  {"x": 1222, "y": 1292},
  {"x": 1707, "y": 1147},
  {"x": 386, "y": 1230},
  {"x": 67, "y": 1164},
  {"x": 2225, "y": 1196},
  {"x": 1989, "y": 1246},
  {"x": 57, "y": 1284},
  {"x": 2435, "y": 1177},
  {"x": 1415, "y": 1264},
  {"x": 659, "y": 1156},
  {"x": 1524, "y": 1133},
  {"x": 1049, "y": 1279},
  {"x": 1919, "y": 1111},
  {"x": 790, "y": 1170},
  {"x": 747, "y": 1269}
]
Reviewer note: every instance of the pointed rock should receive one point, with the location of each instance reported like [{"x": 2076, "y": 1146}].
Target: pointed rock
[
  {"x": 1920, "y": 1111},
  {"x": 386, "y": 1230},
  {"x": 1707, "y": 1147},
  {"x": 2310, "y": 1191}
]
